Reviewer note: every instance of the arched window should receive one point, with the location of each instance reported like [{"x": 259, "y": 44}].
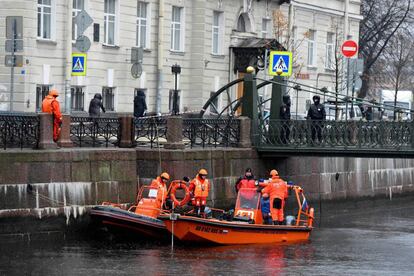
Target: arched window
[{"x": 241, "y": 24}]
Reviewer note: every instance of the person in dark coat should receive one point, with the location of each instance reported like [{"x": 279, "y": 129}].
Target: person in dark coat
[
  {"x": 284, "y": 115},
  {"x": 96, "y": 105},
  {"x": 317, "y": 114},
  {"x": 140, "y": 105}
]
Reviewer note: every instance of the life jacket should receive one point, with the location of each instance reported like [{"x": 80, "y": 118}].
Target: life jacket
[
  {"x": 246, "y": 183},
  {"x": 162, "y": 189},
  {"x": 201, "y": 188}
]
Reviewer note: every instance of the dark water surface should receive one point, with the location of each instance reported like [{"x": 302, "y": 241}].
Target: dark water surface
[{"x": 365, "y": 240}]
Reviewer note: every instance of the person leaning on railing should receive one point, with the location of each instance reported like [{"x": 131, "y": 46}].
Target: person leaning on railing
[{"x": 51, "y": 105}]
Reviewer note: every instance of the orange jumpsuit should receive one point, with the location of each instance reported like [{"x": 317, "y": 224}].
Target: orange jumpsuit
[
  {"x": 162, "y": 191},
  {"x": 51, "y": 105},
  {"x": 277, "y": 189},
  {"x": 200, "y": 188}
]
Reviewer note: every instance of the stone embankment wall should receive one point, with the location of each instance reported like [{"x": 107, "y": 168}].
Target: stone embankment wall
[{"x": 64, "y": 183}]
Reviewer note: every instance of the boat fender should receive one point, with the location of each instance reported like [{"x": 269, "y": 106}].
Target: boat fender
[{"x": 177, "y": 186}]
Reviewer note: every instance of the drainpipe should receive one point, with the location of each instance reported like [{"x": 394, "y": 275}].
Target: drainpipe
[
  {"x": 68, "y": 58},
  {"x": 160, "y": 56},
  {"x": 290, "y": 26}
]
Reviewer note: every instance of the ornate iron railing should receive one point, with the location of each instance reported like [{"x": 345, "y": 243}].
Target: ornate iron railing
[
  {"x": 337, "y": 134},
  {"x": 212, "y": 132},
  {"x": 19, "y": 130},
  {"x": 94, "y": 132},
  {"x": 150, "y": 131}
]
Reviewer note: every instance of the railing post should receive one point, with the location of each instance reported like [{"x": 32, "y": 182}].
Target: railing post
[
  {"x": 125, "y": 123},
  {"x": 245, "y": 139},
  {"x": 46, "y": 131},
  {"x": 249, "y": 104},
  {"x": 64, "y": 140},
  {"x": 174, "y": 133}
]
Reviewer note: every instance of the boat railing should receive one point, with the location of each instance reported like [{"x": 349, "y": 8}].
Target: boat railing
[{"x": 305, "y": 212}]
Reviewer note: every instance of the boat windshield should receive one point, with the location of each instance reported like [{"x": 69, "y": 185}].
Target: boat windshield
[{"x": 248, "y": 199}]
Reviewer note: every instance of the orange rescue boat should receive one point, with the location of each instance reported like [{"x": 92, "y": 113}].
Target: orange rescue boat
[
  {"x": 246, "y": 225},
  {"x": 141, "y": 218}
]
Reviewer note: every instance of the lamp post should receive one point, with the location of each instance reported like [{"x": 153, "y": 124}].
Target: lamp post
[
  {"x": 175, "y": 69},
  {"x": 353, "y": 94}
]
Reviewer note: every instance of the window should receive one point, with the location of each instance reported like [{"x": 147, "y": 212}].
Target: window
[
  {"x": 217, "y": 30},
  {"x": 108, "y": 98},
  {"x": 265, "y": 28},
  {"x": 44, "y": 19},
  {"x": 241, "y": 24},
  {"x": 177, "y": 29},
  {"x": 214, "y": 107},
  {"x": 41, "y": 92},
  {"x": 329, "y": 51},
  {"x": 171, "y": 100},
  {"x": 311, "y": 48},
  {"x": 77, "y": 100},
  {"x": 78, "y": 6},
  {"x": 109, "y": 22},
  {"x": 143, "y": 25}
]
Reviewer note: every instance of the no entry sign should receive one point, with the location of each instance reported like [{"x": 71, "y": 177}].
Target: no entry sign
[{"x": 349, "y": 48}]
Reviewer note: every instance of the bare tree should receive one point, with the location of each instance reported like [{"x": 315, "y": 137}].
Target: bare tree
[
  {"x": 397, "y": 62},
  {"x": 381, "y": 20}
]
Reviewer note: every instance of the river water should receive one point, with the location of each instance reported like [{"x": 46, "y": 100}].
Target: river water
[{"x": 363, "y": 239}]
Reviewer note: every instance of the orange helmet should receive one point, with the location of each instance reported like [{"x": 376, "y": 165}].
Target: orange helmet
[
  {"x": 53, "y": 93},
  {"x": 165, "y": 176},
  {"x": 202, "y": 172},
  {"x": 274, "y": 173}
]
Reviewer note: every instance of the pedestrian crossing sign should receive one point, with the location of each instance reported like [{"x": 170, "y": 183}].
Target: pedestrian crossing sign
[
  {"x": 280, "y": 61},
  {"x": 78, "y": 64}
]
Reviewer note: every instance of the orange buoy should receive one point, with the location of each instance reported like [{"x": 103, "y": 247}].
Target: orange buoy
[{"x": 179, "y": 185}]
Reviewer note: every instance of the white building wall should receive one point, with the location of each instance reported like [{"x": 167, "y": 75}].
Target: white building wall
[{"x": 202, "y": 71}]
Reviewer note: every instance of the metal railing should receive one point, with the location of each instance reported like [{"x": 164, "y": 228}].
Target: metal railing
[
  {"x": 336, "y": 134},
  {"x": 19, "y": 131},
  {"x": 212, "y": 132},
  {"x": 150, "y": 131},
  {"x": 94, "y": 132}
]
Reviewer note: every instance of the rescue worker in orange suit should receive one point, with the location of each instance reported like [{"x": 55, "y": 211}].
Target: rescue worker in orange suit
[
  {"x": 278, "y": 192},
  {"x": 246, "y": 181},
  {"x": 199, "y": 188},
  {"x": 160, "y": 183},
  {"x": 51, "y": 105}
]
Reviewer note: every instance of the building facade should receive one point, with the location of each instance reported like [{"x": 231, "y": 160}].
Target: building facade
[{"x": 200, "y": 36}]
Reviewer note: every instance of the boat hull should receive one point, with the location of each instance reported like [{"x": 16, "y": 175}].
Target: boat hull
[
  {"x": 193, "y": 229},
  {"x": 139, "y": 226}
]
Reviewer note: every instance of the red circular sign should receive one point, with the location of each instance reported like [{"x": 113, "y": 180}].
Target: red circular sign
[{"x": 349, "y": 48}]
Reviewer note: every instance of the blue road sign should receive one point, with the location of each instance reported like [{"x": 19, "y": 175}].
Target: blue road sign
[
  {"x": 282, "y": 62},
  {"x": 78, "y": 64}
]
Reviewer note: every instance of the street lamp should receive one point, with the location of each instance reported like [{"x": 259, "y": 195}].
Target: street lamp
[
  {"x": 175, "y": 69},
  {"x": 353, "y": 94}
]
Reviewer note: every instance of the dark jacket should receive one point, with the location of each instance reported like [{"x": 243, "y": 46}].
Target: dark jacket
[
  {"x": 140, "y": 104},
  {"x": 317, "y": 112},
  {"x": 96, "y": 105},
  {"x": 284, "y": 112},
  {"x": 265, "y": 205}
]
